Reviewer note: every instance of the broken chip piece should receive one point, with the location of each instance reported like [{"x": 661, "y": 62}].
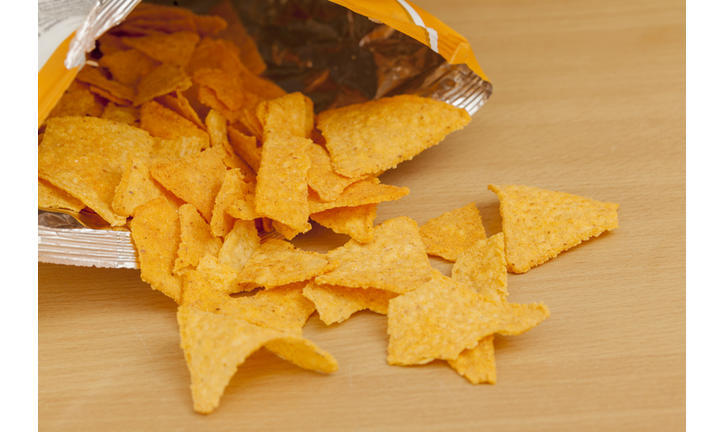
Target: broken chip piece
[{"x": 449, "y": 234}]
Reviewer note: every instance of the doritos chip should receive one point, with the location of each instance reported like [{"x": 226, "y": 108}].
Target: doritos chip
[
  {"x": 215, "y": 345},
  {"x": 243, "y": 206},
  {"x": 162, "y": 122},
  {"x": 322, "y": 178},
  {"x": 94, "y": 77},
  {"x": 135, "y": 188},
  {"x": 110, "y": 97},
  {"x": 284, "y": 308},
  {"x": 156, "y": 234},
  {"x": 165, "y": 79},
  {"x": 175, "y": 48},
  {"x": 281, "y": 189},
  {"x": 539, "y": 224},
  {"x": 289, "y": 232},
  {"x": 378, "y": 135},
  {"x": 230, "y": 90},
  {"x": 50, "y": 197},
  {"x": 127, "y": 67},
  {"x": 477, "y": 364},
  {"x": 368, "y": 191},
  {"x": 215, "y": 54},
  {"x": 195, "y": 179},
  {"x": 236, "y": 33},
  {"x": 77, "y": 103},
  {"x": 203, "y": 287},
  {"x": 197, "y": 240},
  {"x": 291, "y": 114},
  {"x": 335, "y": 303},
  {"x": 180, "y": 104},
  {"x": 395, "y": 260},
  {"x": 122, "y": 114},
  {"x": 482, "y": 267},
  {"x": 86, "y": 157},
  {"x": 239, "y": 244},
  {"x": 216, "y": 125},
  {"x": 176, "y": 148},
  {"x": 356, "y": 222},
  {"x": 232, "y": 189},
  {"x": 245, "y": 146},
  {"x": 277, "y": 262},
  {"x": 449, "y": 234}
]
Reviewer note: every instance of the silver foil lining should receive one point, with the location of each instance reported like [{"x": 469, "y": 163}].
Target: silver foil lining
[{"x": 63, "y": 240}]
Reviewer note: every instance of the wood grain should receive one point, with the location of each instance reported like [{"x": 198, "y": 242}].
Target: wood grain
[{"x": 589, "y": 98}]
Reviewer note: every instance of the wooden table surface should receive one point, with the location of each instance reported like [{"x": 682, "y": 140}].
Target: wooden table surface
[{"x": 589, "y": 98}]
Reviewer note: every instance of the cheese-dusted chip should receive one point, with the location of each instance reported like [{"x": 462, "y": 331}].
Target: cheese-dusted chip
[
  {"x": 217, "y": 127},
  {"x": 517, "y": 318},
  {"x": 284, "y": 308},
  {"x": 215, "y": 54},
  {"x": 356, "y": 222},
  {"x": 156, "y": 233},
  {"x": 281, "y": 189},
  {"x": 164, "y": 79},
  {"x": 239, "y": 244},
  {"x": 86, "y": 157},
  {"x": 175, "y": 48},
  {"x": 197, "y": 240},
  {"x": 215, "y": 345},
  {"x": 180, "y": 104},
  {"x": 50, "y": 197},
  {"x": 77, "y": 103},
  {"x": 368, "y": 191},
  {"x": 162, "y": 122},
  {"x": 291, "y": 114},
  {"x": 245, "y": 146},
  {"x": 377, "y": 135},
  {"x": 437, "y": 321},
  {"x": 449, "y": 234},
  {"x": 322, "y": 178},
  {"x": 233, "y": 188},
  {"x": 335, "y": 303},
  {"x": 195, "y": 179},
  {"x": 229, "y": 88},
  {"x": 477, "y": 364},
  {"x": 539, "y": 224},
  {"x": 127, "y": 67},
  {"x": 277, "y": 262},
  {"x": 483, "y": 268},
  {"x": 93, "y": 76},
  {"x": 236, "y": 33},
  {"x": 205, "y": 288},
  {"x": 243, "y": 207},
  {"x": 176, "y": 148},
  {"x": 136, "y": 188},
  {"x": 289, "y": 232},
  {"x": 122, "y": 114},
  {"x": 395, "y": 260}
]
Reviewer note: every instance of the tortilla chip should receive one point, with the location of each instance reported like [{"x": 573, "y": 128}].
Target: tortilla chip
[
  {"x": 539, "y": 224},
  {"x": 215, "y": 345},
  {"x": 284, "y": 308},
  {"x": 477, "y": 364},
  {"x": 77, "y": 103},
  {"x": 245, "y": 146},
  {"x": 165, "y": 79},
  {"x": 230, "y": 89},
  {"x": 335, "y": 303},
  {"x": 281, "y": 190},
  {"x": 236, "y": 33},
  {"x": 177, "y": 148},
  {"x": 197, "y": 240},
  {"x": 178, "y": 103},
  {"x": 322, "y": 178},
  {"x": 162, "y": 122},
  {"x": 394, "y": 261},
  {"x": 243, "y": 206},
  {"x": 195, "y": 179},
  {"x": 378, "y": 135},
  {"x": 231, "y": 191},
  {"x": 86, "y": 157},
  {"x": 50, "y": 197},
  {"x": 356, "y": 222},
  {"x": 136, "y": 188},
  {"x": 483, "y": 268},
  {"x": 175, "y": 48},
  {"x": 291, "y": 114},
  {"x": 120, "y": 93},
  {"x": 449, "y": 234},
  {"x": 368, "y": 191},
  {"x": 215, "y": 54},
  {"x": 129, "y": 66},
  {"x": 156, "y": 233},
  {"x": 122, "y": 114},
  {"x": 289, "y": 232},
  {"x": 277, "y": 262},
  {"x": 216, "y": 125},
  {"x": 239, "y": 244}
]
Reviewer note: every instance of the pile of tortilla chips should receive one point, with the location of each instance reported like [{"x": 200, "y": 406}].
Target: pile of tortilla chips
[{"x": 175, "y": 135}]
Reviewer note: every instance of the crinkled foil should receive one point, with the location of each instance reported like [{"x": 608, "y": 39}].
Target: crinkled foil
[{"x": 333, "y": 55}]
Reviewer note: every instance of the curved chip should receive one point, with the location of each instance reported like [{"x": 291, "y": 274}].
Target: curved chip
[{"x": 449, "y": 234}]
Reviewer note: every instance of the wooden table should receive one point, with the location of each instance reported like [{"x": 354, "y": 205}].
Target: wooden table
[{"x": 589, "y": 98}]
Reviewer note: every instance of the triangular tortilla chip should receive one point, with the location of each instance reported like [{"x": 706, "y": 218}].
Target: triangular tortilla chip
[
  {"x": 173, "y": 48},
  {"x": 477, "y": 364},
  {"x": 291, "y": 114},
  {"x": 539, "y": 224},
  {"x": 239, "y": 245},
  {"x": 395, "y": 260},
  {"x": 356, "y": 222},
  {"x": 377, "y": 135},
  {"x": 165, "y": 79},
  {"x": 482, "y": 268},
  {"x": 233, "y": 188},
  {"x": 368, "y": 191},
  {"x": 215, "y": 345},
  {"x": 322, "y": 178},
  {"x": 136, "y": 188},
  {"x": 449, "y": 234},
  {"x": 50, "y": 197},
  {"x": 335, "y": 303},
  {"x": 164, "y": 123},
  {"x": 127, "y": 67}
]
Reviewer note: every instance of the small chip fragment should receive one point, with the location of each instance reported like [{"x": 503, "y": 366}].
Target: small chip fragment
[
  {"x": 166, "y": 78},
  {"x": 368, "y": 191},
  {"x": 395, "y": 260},
  {"x": 322, "y": 178},
  {"x": 482, "y": 267},
  {"x": 356, "y": 222},
  {"x": 50, "y": 197},
  {"x": 449, "y": 234},
  {"x": 539, "y": 224},
  {"x": 135, "y": 188},
  {"x": 215, "y": 345},
  {"x": 477, "y": 364},
  {"x": 335, "y": 303},
  {"x": 277, "y": 262},
  {"x": 376, "y": 136},
  {"x": 197, "y": 240},
  {"x": 239, "y": 244},
  {"x": 162, "y": 122}
]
